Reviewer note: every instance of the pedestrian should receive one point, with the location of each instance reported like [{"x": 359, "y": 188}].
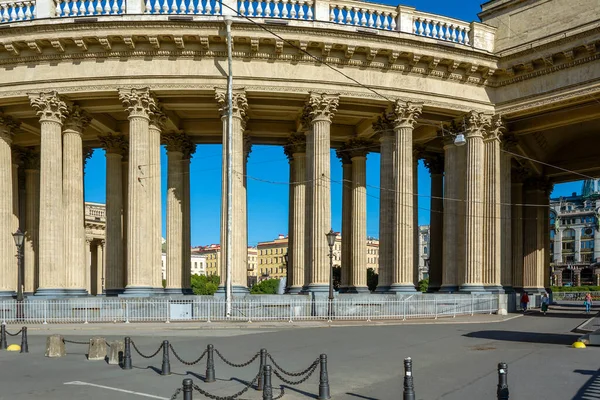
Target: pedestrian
[
  {"x": 545, "y": 302},
  {"x": 524, "y": 301},
  {"x": 588, "y": 302}
]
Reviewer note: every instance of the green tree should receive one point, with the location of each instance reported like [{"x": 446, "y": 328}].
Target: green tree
[
  {"x": 268, "y": 286},
  {"x": 424, "y": 285},
  {"x": 205, "y": 285},
  {"x": 372, "y": 279}
]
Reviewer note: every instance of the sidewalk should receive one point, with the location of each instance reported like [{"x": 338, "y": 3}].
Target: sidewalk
[{"x": 210, "y": 329}]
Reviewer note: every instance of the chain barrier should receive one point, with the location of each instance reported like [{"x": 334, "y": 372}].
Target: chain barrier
[
  {"x": 74, "y": 341},
  {"x": 143, "y": 355},
  {"x": 14, "y": 334},
  {"x": 187, "y": 362},
  {"x": 237, "y": 365},
  {"x": 310, "y": 372},
  {"x": 233, "y": 397},
  {"x": 176, "y": 392},
  {"x": 292, "y": 373}
]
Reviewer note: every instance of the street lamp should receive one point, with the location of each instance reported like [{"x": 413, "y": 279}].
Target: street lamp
[
  {"x": 330, "y": 241},
  {"x": 286, "y": 257},
  {"x": 19, "y": 238}
]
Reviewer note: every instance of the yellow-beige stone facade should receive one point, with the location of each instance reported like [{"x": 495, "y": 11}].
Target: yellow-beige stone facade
[{"x": 517, "y": 89}]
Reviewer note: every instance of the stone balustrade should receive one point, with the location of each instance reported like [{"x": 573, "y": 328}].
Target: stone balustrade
[
  {"x": 359, "y": 14},
  {"x": 95, "y": 212}
]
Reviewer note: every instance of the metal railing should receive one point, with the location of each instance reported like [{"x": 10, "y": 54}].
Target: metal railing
[
  {"x": 201, "y": 309},
  {"x": 573, "y": 296}
]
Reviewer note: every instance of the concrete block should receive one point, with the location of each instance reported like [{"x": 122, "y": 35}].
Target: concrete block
[
  {"x": 97, "y": 349},
  {"x": 116, "y": 352},
  {"x": 55, "y": 347}
]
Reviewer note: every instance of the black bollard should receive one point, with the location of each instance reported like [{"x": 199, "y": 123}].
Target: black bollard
[
  {"x": 127, "y": 355},
  {"x": 267, "y": 389},
  {"x": 323, "y": 379},
  {"x": 409, "y": 389},
  {"x": 24, "y": 345},
  {"x": 3, "y": 344},
  {"x": 187, "y": 389},
  {"x": 166, "y": 364},
  {"x": 502, "y": 391},
  {"x": 263, "y": 362},
  {"x": 210, "y": 364}
]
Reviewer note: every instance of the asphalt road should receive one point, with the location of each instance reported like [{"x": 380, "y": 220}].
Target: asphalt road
[{"x": 451, "y": 361}]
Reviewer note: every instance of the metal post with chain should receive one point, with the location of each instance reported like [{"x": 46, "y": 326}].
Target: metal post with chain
[
  {"x": 263, "y": 362},
  {"x": 323, "y": 379},
  {"x": 188, "y": 389},
  {"x": 502, "y": 391},
  {"x": 3, "y": 344},
  {"x": 409, "y": 389},
  {"x": 127, "y": 354},
  {"x": 166, "y": 364},
  {"x": 24, "y": 344},
  {"x": 210, "y": 364},
  {"x": 267, "y": 389}
]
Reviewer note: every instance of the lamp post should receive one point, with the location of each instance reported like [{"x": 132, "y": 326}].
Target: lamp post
[
  {"x": 330, "y": 241},
  {"x": 286, "y": 257},
  {"x": 19, "y": 237}
]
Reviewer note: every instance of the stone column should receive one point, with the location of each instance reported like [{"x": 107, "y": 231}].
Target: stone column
[
  {"x": 451, "y": 218},
  {"x": 321, "y": 108},
  {"x": 506, "y": 278},
  {"x": 8, "y": 251},
  {"x": 52, "y": 110},
  {"x": 100, "y": 263},
  {"x": 474, "y": 181},
  {"x": 189, "y": 149},
  {"x": 244, "y": 244},
  {"x": 385, "y": 128},
  {"x": 404, "y": 117},
  {"x": 125, "y": 190},
  {"x": 115, "y": 147},
  {"x": 533, "y": 245},
  {"x": 347, "y": 187},
  {"x": 88, "y": 263},
  {"x": 140, "y": 228},
  {"x": 558, "y": 245},
  {"x": 175, "y": 241},
  {"x": 435, "y": 164},
  {"x": 578, "y": 245},
  {"x": 417, "y": 155},
  {"x": 577, "y": 273},
  {"x": 492, "y": 241},
  {"x": 296, "y": 153},
  {"x": 596, "y": 238},
  {"x": 155, "y": 128},
  {"x": 16, "y": 215},
  {"x": 32, "y": 220},
  {"x": 517, "y": 230},
  {"x": 73, "y": 201},
  {"x": 357, "y": 283},
  {"x": 239, "y": 250}
]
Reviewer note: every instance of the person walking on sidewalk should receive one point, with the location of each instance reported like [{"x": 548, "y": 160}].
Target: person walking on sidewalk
[
  {"x": 588, "y": 302},
  {"x": 524, "y": 302},
  {"x": 545, "y": 302}
]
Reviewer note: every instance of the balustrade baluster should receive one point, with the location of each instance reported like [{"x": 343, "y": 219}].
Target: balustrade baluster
[
  {"x": 123, "y": 4},
  {"x": 453, "y": 29},
  {"x": 426, "y": 22},
  {"x": 173, "y": 7},
  {"x": 371, "y": 22},
  {"x": 207, "y": 7},
  {"x": 217, "y": 7},
  {"x": 267, "y": 8},
  {"x": 3, "y": 14},
  {"x": 115, "y": 7},
  {"x": 293, "y": 4},
  {"x": 148, "y": 7},
  {"x": 301, "y": 5},
  {"x": 348, "y": 18},
  {"x": 386, "y": 24},
  {"x": 393, "y": 24},
  {"x": 355, "y": 19},
  {"x": 363, "y": 18},
  {"x": 251, "y": 8},
  {"x": 90, "y": 7},
  {"x": 81, "y": 10},
  {"x": 284, "y": 8},
  {"x": 332, "y": 13},
  {"x": 378, "y": 19},
  {"x": 242, "y": 7},
  {"x": 165, "y": 7},
  {"x": 182, "y": 7},
  {"x": 106, "y": 7},
  {"x": 20, "y": 13},
  {"x": 434, "y": 28},
  {"x": 447, "y": 31},
  {"x": 467, "y": 41},
  {"x": 28, "y": 10}
]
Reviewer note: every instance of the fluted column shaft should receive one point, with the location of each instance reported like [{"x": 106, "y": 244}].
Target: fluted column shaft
[
  {"x": 114, "y": 273},
  {"x": 290, "y": 272},
  {"x": 358, "y": 226},
  {"x": 474, "y": 196},
  {"x": 89, "y": 264},
  {"x": 506, "y": 222},
  {"x": 32, "y": 210},
  {"x": 51, "y": 110},
  {"x": 558, "y": 233},
  {"x": 346, "y": 253},
  {"x": 186, "y": 268},
  {"x": 308, "y": 196},
  {"x": 125, "y": 189},
  {"x": 491, "y": 215},
  {"x": 451, "y": 219},
  {"x": 100, "y": 263},
  {"x": 296, "y": 152},
  {"x": 140, "y": 269},
  {"x": 517, "y": 234},
  {"x": 436, "y": 224},
  {"x": 154, "y": 181},
  {"x": 239, "y": 229},
  {"x": 174, "y": 219},
  {"x": 8, "y": 271},
  {"x": 534, "y": 237},
  {"x": 75, "y": 269},
  {"x": 386, "y": 208},
  {"x": 577, "y": 245}
]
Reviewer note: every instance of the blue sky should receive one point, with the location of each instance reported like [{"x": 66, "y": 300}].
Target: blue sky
[{"x": 268, "y": 201}]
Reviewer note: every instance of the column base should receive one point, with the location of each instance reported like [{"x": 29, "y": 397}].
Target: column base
[
  {"x": 403, "y": 288},
  {"x": 7, "y": 293},
  {"x": 235, "y": 290},
  {"x": 50, "y": 293},
  {"x": 433, "y": 289},
  {"x": 534, "y": 290},
  {"x": 508, "y": 289},
  {"x": 357, "y": 289},
  {"x": 342, "y": 289},
  {"x": 138, "y": 291},
  {"x": 317, "y": 288},
  {"x": 447, "y": 289},
  {"x": 382, "y": 289},
  {"x": 295, "y": 290},
  {"x": 472, "y": 289},
  {"x": 175, "y": 291},
  {"x": 494, "y": 289},
  {"x": 75, "y": 292},
  {"x": 113, "y": 292}
]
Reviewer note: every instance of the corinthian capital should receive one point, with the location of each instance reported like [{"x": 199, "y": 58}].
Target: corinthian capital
[
  {"x": 189, "y": 148},
  {"x": 137, "y": 102},
  {"x": 384, "y": 126},
  {"x": 322, "y": 107},
  {"x": 435, "y": 163},
  {"x": 8, "y": 127},
  {"x": 157, "y": 116},
  {"x": 405, "y": 113},
  {"x": 296, "y": 144},
  {"x": 174, "y": 141},
  {"x": 78, "y": 119},
  {"x": 477, "y": 123},
  {"x": 49, "y": 106},
  {"x": 496, "y": 127},
  {"x": 115, "y": 144},
  {"x": 31, "y": 159},
  {"x": 239, "y": 103}
]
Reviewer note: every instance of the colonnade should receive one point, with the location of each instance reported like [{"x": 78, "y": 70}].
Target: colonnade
[{"x": 479, "y": 241}]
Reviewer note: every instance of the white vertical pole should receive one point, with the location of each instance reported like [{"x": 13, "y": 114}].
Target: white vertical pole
[{"x": 229, "y": 234}]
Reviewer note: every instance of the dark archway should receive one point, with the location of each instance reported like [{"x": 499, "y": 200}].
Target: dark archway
[
  {"x": 568, "y": 277},
  {"x": 587, "y": 277}
]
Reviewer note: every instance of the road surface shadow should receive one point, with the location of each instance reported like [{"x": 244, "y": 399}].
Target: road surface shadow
[
  {"x": 526, "y": 337},
  {"x": 361, "y": 396},
  {"x": 591, "y": 389},
  {"x": 560, "y": 314}
]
